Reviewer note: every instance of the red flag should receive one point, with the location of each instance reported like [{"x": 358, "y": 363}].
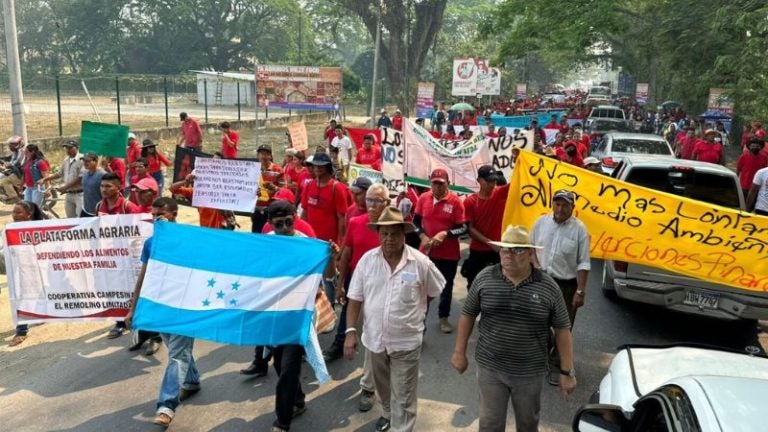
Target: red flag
[{"x": 356, "y": 136}]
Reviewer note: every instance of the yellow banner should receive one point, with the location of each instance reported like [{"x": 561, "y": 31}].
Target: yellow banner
[{"x": 639, "y": 225}]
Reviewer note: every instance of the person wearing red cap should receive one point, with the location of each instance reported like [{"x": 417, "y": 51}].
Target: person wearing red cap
[
  {"x": 145, "y": 191},
  {"x": 707, "y": 150},
  {"x": 440, "y": 221}
]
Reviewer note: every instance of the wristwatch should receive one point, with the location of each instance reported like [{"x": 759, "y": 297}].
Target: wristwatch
[{"x": 571, "y": 373}]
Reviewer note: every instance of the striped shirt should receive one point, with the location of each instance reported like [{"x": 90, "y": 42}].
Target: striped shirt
[{"x": 515, "y": 320}]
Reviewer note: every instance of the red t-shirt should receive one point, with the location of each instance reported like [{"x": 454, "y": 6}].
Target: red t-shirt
[
  {"x": 122, "y": 206},
  {"x": 156, "y": 160},
  {"x": 706, "y": 152},
  {"x": 330, "y": 134},
  {"x": 397, "y": 122},
  {"x": 686, "y": 147},
  {"x": 353, "y": 211},
  {"x": 228, "y": 151},
  {"x": 747, "y": 166},
  {"x": 370, "y": 157},
  {"x": 324, "y": 206},
  {"x": 441, "y": 216},
  {"x": 486, "y": 215},
  {"x": 272, "y": 174},
  {"x": 360, "y": 239},
  {"x": 193, "y": 135},
  {"x": 298, "y": 223},
  {"x": 577, "y": 160},
  {"x": 42, "y": 165},
  {"x": 132, "y": 155},
  {"x": 118, "y": 167}
]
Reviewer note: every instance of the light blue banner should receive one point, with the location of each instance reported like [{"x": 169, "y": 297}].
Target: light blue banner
[{"x": 520, "y": 122}]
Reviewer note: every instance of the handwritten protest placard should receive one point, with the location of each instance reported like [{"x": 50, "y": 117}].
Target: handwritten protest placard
[
  {"x": 639, "y": 225},
  {"x": 226, "y": 184},
  {"x": 74, "y": 269},
  {"x": 392, "y": 158},
  {"x": 298, "y": 133},
  {"x": 356, "y": 171}
]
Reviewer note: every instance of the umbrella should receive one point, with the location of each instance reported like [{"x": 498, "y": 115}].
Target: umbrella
[
  {"x": 670, "y": 104},
  {"x": 714, "y": 115},
  {"x": 462, "y": 106}
]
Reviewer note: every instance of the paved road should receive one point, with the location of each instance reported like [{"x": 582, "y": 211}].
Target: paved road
[{"x": 80, "y": 381}]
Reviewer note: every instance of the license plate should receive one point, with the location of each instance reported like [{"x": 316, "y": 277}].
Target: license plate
[{"x": 708, "y": 301}]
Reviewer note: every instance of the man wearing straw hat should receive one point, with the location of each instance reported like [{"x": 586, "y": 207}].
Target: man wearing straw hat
[
  {"x": 392, "y": 284},
  {"x": 517, "y": 303}
]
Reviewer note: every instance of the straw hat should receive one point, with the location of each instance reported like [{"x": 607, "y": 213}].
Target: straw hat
[
  {"x": 392, "y": 216},
  {"x": 515, "y": 236}
]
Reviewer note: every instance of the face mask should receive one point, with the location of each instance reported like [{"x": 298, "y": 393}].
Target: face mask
[
  {"x": 571, "y": 151},
  {"x": 754, "y": 150}
]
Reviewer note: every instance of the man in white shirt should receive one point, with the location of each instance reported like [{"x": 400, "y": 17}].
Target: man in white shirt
[
  {"x": 757, "y": 199},
  {"x": 342, "y": 142},
  {"x": 393, "y": 284},
  {"x": 71, "y": 169}
]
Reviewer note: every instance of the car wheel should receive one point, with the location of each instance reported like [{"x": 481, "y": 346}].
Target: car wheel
[{"x": 609, "y": 288}]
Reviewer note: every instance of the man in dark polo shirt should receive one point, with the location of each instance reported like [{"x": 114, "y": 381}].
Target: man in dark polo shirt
[{"x": 517, "y": 304}]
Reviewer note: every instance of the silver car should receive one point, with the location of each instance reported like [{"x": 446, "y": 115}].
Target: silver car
[{"x": 615, "y": 146}]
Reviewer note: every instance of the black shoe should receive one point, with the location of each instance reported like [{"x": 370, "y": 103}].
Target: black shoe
[
  {"x": 185, "y": 394},
  {"x": 333, "y": 352},
  {"x": 257, "y": 369},
  {"x": 136, "y": 341},
  {"x": 152, "y": 348},
  {"x": 382, "y": 424},
  {"x": 115, "y": 332},
  {"x": 298, "y": 410}
]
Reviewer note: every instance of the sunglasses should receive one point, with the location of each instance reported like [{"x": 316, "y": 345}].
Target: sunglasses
[
  {"x": 515, "y": 250},
  {"x": 285, "y": 223}
]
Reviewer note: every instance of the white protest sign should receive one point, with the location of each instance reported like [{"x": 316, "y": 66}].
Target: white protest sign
[
  {"x": 392, "y": 158},
  {"x": 74, "y": 269},
  {"x": 226, "y": 184},
  {"x": 464, "y": 77}
]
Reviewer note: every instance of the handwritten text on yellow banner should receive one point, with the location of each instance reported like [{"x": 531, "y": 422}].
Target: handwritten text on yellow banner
[{"x": 639, "y": 225}]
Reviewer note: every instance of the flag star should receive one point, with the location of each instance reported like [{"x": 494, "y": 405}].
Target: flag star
[
  {"x": 206, "y": 302},
  {"x": 220, "y": 294},
  {"x": 233, "y": 302},
  {"x": 211, "y": 282},
  {"x": 235, "y": 286}
]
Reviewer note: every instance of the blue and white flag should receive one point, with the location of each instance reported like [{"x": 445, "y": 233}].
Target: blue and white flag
[{"x": 232, "y": 287}]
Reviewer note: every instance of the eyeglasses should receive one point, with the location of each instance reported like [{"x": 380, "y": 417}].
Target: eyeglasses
[
  {"x": 515, "y": 250},
  {"x": 374, "y": 201},
  {"x": 285, "y": 223}
]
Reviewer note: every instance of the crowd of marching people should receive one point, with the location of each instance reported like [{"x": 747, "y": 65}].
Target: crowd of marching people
[{"x": 393, "y": 254}]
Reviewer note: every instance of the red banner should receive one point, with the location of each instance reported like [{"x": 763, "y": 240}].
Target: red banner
[{"x": 356, "y": 136}]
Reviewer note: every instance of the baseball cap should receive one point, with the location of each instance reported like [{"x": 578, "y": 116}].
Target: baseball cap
[
  {"x": 487, "y": 173},
  {"x": 147, "y": 183},
  {"x": 382, "y": 111},
  {"x": 284, "y": 194},
  {"x": 320, "y": 159},
  {"x": 90, "y": 155},
  {"x": 131, "y": 135},
  {"x": 264, "y": 148},
  {"x": 280, "y": 208},
  {"x": 564, "y": 194},
  {"x": 360, "y": 184},
  {"x": 591, "y": 160},
  {"x": 70, "y": 143},
  {"x": 440, "y": 175}
]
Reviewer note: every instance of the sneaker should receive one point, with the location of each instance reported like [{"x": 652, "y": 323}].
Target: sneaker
[
  {"x": 333, "y": 352},
  {"x": 367, "y": 398},
  {"x": 163, "y": 420},
  {"x": 257, "y": 369},
  {"x": 445, "y": 326},
  {"x": 382, "y": 424},
  {"x": 152, "y": 348},
  {"x": 185, "y": 394},
  {"x": 115, "y": 332}
]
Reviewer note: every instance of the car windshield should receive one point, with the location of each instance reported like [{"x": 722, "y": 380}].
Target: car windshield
[
  {"x": 640, "y": 147},
  {"x": 603, "y": 125},
  {"x": 603, "y": 91},
  {"x": 607, "y": 113},
  {"x": 708, "y": 187}
]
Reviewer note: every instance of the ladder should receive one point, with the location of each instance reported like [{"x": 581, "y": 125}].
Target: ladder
[{"x": 219, "y": 87}]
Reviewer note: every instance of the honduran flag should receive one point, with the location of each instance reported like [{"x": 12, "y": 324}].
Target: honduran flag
[{"x": 233, "y": 287}]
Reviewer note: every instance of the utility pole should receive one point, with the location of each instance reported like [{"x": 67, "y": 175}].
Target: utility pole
[
  {"x": 14, "y": 69},
  {"x": 376, "y": 66},
  {"x": 256, "y": 100},
  {"x": 301, "y": 26}
]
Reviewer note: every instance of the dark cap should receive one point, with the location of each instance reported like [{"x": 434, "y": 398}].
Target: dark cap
[
  {"x": 148, "y": 143},
  {"x": 487, "y": 173},
  {"x": 439, "y": 175},
  {"x": 321, "y": 159},
  {"x": 264, "y": 148},
  {"x": 564, "y": 194},
  {"x": 70, "y": 143},
  {"x": 361, "y": 184},
  {"x": 280, "y": 208},
  {"x": 90, "y": 155}
]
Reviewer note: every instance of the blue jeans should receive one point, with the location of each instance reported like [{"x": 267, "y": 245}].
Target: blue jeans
[
  {"x": 180, "y": 372},
  {"x": 32, "y": 194},
  {"x": 160, "y": 179}
]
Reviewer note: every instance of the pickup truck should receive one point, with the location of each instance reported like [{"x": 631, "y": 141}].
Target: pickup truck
[{"x": 701, "y": 181}]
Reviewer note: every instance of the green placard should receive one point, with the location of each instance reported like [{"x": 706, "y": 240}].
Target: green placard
[{"x": 105, "y": 139}]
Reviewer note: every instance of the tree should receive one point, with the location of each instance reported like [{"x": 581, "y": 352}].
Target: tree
[{"x": 406, "y": 37}]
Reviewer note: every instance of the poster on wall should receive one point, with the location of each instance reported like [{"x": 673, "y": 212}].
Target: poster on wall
[{"x": 298, "y": 87}]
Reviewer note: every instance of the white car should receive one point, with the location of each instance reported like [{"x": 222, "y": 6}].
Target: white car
[{"x": 679, "y": 389}]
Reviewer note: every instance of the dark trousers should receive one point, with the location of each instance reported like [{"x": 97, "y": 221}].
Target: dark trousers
[
  {"x": 342, "y": 327},
  {"x": 568, "y": 288},
  {"x": 288, "y": 393},
  {"x": 258, "y": 357},
  {"x": 83, "y": 214},
  {"x": 22, "y": 329},
  {"x": 147, "y": 335},
  {"x": 258, "y": 219},
  {"x": 448, "y": 270},
  {"x": 476, "y": 262}
]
